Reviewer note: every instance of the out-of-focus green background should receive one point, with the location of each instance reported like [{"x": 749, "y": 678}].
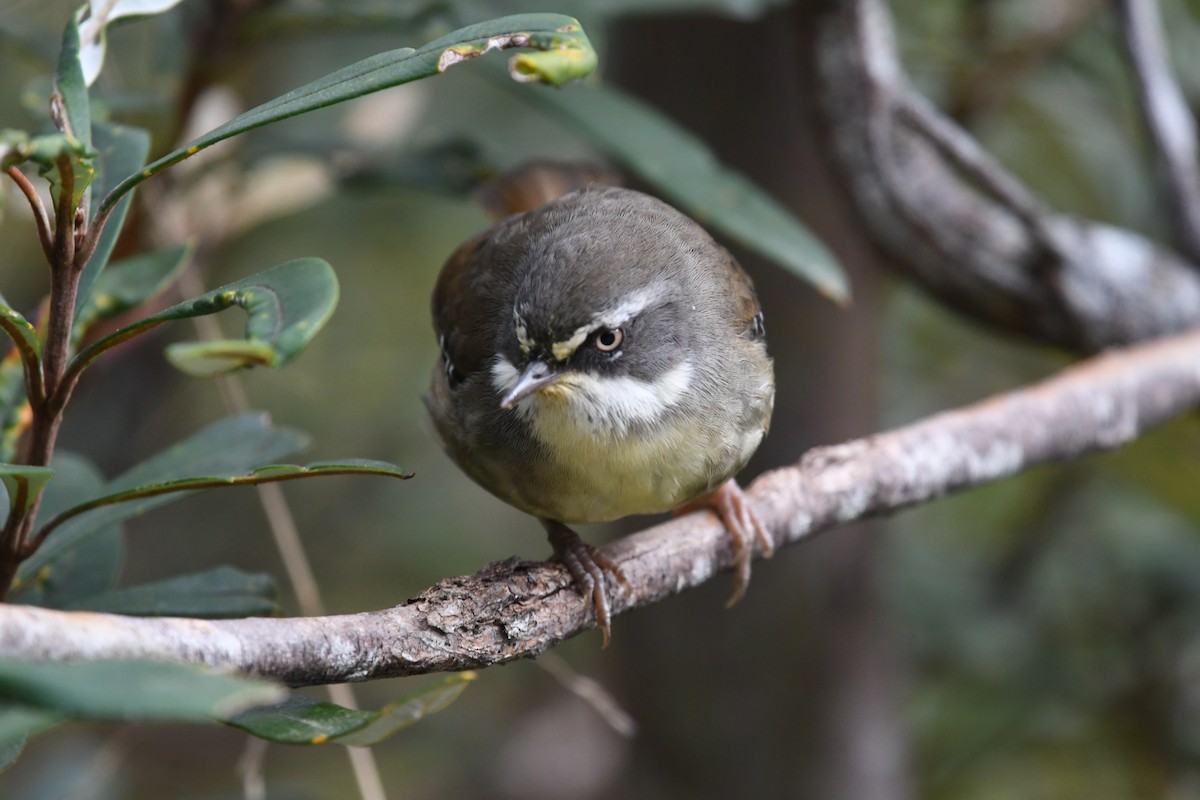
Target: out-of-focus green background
[{"x": 1035, "y": 639}]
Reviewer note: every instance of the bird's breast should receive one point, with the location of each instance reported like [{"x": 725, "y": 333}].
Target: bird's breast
[{"x": 616, "y": 446}]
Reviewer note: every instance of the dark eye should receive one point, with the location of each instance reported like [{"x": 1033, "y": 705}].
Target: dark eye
[{"x": 609, "y": 340}]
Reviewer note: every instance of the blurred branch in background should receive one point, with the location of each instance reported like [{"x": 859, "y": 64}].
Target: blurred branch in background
[
  {"x": 515, "y": 609},
  {"x": 1170, "y": 123},
  {"x": 953, "y": 219}
]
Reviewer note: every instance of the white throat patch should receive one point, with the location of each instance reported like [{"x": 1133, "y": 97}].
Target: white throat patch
[{"x": 601, "y": 407}]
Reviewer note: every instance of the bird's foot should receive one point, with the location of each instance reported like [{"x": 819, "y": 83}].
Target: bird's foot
[
  {"x": 587, "y": 566},
  {"x": 731, "y": 505}
]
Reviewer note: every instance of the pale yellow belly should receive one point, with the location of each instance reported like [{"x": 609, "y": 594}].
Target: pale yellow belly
[{"x": 593, "y": 478}]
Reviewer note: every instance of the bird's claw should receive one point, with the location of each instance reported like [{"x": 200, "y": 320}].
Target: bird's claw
[
  {"x": 731, "y": 505},
  {"x": 587, "y": 566}
]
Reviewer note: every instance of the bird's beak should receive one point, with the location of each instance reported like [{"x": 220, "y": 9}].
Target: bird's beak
[{"x": 535, "y": 376}]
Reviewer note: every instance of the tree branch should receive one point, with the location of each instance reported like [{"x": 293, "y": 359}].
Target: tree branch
[
  {"x": 1168, "y": 119},
  {"x": 515, "y": 609},
  {"x": 955, "y": 220}
]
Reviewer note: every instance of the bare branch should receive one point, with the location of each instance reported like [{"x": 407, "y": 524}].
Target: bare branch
[
  {"x": 515, "y": 609},
  {"x": 1168, "y": 119},
  {"x": 965, "y": 228}
]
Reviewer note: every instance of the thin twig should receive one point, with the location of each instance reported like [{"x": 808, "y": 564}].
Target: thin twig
[
  {"x": 515, "y": 609},
  {"x": 1168, "y": 118},
  {"x": 45, "y": 233}
]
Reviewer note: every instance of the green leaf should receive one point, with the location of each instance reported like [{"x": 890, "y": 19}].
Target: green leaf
[
  {"x": 232, "y": 445},
  {"x": 82, "y": 571},
  {"x": 135, "y": 691},
  {"x": 220, "y": 593},
  {"x": 69, "y": 83},
  {"x": 21, "y": 331},
  {"x": 302, "y": 720},
  {"x": 120, "y": 150},
  {"x": 688, "y": 174},
  {"x": 48, "y": 152},
  {"x": 29, "y": 345},
  {"x": 567, "y": 55},
  {"x": 24, "y": 484},
  {"x": 130, "y": 282},
  {"x": 273, "y": 473},
  {"x": 287, "y": 305},
  {"x": 17, "y": 147}
]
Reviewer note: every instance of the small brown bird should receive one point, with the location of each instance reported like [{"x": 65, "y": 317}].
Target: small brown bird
[{"x": 603, "y": 356}]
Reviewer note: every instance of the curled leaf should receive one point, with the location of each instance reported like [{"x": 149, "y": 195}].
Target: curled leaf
[{"x": 286, "y": 307}]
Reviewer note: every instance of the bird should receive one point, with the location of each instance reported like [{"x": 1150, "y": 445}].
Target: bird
[{"x": 603, "y": 356}]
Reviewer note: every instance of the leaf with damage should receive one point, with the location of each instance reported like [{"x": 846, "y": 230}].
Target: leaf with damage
[{"x": 564, "y": 54}]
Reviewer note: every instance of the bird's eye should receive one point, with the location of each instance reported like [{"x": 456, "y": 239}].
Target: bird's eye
[{"x": 609, "y": 340}]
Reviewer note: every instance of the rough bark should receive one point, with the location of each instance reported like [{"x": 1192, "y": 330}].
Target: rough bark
[{"x": 514, "y": 609}]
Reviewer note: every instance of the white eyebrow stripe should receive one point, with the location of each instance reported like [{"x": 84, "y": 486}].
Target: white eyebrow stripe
[
  {"x": 635, "y": 303},
  {"x": 614, "y": 317},
  {"x": 631, "y": 306}
]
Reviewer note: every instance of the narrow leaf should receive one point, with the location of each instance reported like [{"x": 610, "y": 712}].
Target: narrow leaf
[
  {"x": 269, "y": 474},
  {"x": 568, "y": 55},
  {"x": 131, "y": 690},
  {"x": 406, "y": 712},
  {"x": 303, "y": 720},
  {"x": 286, "y": 305},
  {"x": 24, "y": 485},
  {"x": 232, "y": 445},
  {"x": 120, "y": 150},
  {"x": 131, "y": 282},
  {"x": 220, "y": 593},
  {"x": 683, "y": 168},
  {"x": 29, "y": 346},
  {"x": 69, "y": 83}
]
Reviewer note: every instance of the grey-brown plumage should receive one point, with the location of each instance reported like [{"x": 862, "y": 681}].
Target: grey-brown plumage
[{"x": 603, "y": 356}]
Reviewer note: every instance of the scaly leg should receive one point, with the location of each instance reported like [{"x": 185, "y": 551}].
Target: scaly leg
[
  {"x": 731, "y": 505},
  {"x": 587, "y": 566}
]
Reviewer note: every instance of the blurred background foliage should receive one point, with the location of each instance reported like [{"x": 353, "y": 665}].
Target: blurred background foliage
[{"x": 1035, "y": 639}]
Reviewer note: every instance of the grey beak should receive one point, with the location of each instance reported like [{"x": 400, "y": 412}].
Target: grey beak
[{"x": 535, "y": 376}]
